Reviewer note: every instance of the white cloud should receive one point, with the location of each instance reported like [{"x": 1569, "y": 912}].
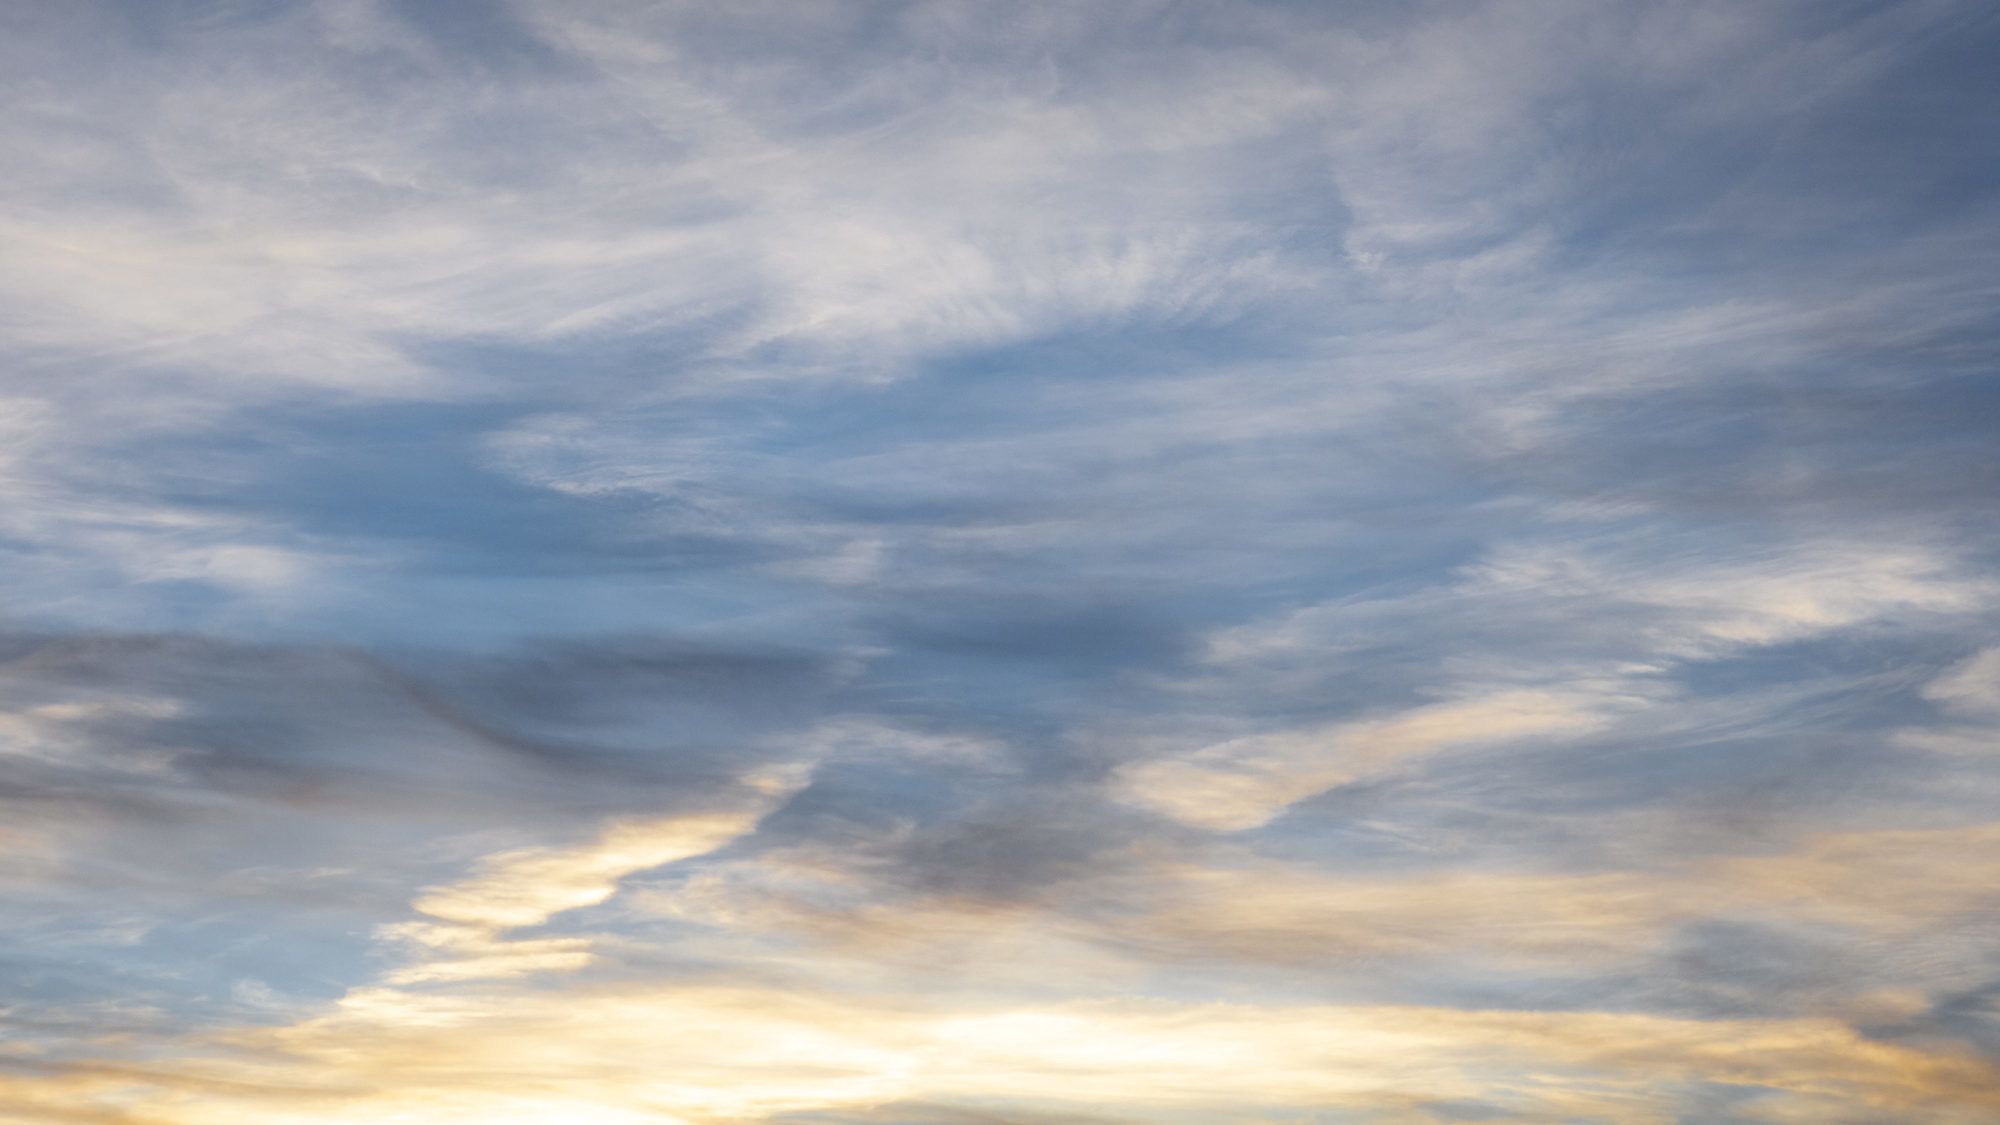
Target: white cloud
[
  {"x": 1244, "y": 782},
  {"x": 1972, "y": 686},
  {"x": 468, "y": 934},
  {"x": 1562, "y": 641}
]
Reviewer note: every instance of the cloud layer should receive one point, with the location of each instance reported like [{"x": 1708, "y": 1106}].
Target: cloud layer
[{"x": 604, "y": 562}]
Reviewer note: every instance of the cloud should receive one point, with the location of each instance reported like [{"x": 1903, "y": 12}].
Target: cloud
[
  {"x": 1972, "y": 687},
  {"x": 922, "y": 562},
  {"x": 1557, "y": 644},
  {"x": 1244, "y": 782},
  {"x": 521, "y": 889},
  {"x": 717, "y": 1054}
]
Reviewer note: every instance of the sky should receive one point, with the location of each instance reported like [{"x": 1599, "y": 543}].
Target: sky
[{"x": 999, "y": 562}]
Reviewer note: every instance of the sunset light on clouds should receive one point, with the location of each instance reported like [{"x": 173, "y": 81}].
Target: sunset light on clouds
[{"x": 959, "y": 562}]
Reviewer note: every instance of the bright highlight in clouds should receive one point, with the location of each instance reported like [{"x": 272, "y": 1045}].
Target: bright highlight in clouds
[{"x": 943, "y": 562}]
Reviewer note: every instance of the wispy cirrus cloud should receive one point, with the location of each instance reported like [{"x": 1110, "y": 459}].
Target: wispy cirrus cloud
[{"x": 928, "y": 562}]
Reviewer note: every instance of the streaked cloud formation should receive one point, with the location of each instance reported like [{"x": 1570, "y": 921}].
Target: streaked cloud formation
[{"x": 936, "y": 562}]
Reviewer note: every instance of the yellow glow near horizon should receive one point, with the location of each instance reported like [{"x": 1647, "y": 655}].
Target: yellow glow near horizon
[{"x": 710, "y": 1055}]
